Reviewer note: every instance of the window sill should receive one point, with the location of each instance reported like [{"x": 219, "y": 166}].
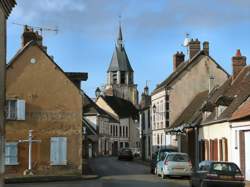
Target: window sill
[{"x": 13, "y": 164}]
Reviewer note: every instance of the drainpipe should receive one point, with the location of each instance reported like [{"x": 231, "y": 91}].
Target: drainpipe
[{"x": 196, "y": 129}]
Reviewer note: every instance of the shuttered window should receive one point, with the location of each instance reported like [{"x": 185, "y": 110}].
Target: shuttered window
[
  {"x": 58, "y": 151},
  {"x": 15, "y": 110},
  {"x": 11, "y": 153}
]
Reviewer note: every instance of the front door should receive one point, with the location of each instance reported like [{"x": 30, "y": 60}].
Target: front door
[{"x": 247, "y": 155}]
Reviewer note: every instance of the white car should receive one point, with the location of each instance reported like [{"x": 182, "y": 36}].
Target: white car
[{"x": 174, "y": 164}]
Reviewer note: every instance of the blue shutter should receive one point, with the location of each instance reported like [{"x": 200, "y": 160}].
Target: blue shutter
[
  {"x": 11, "y": 153},
  {"x": 58, "y": 151},
  {"x": 20, "y": 109}
]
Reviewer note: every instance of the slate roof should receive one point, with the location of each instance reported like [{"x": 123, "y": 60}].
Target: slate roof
[
  {"x": 192, "y": 111},
  {"x": 91, "y": 108},
  {"x": 238, "y": 90},
  {"x": 7, "y": 6},
  {"x": 121, "y": 107},
  {"x": 120, "y": 61},
  {"x": 181, "y": 68}
]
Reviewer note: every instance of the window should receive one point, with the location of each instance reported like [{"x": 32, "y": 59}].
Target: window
[
  {"x": 149, "y": 120},
  {"x": 220, "y": 109},
  {"x": 58, "y": 150},
  {"x": 126, "y": 131},
  {"x": 11, "y": 153},
  {"x": 114, "y": 77},
  {"x": 123, "y": 77},
  {"x": 15, "y": 110}
]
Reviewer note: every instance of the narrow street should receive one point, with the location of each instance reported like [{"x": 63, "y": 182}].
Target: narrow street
[{"x": 115, "y": 173}]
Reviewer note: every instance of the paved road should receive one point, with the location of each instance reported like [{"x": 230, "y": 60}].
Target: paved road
[{"x": 114, "y": 173}]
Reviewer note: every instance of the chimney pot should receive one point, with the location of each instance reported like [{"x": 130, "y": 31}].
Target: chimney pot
[
  {"x": 194, "y": 48},
  {"x": 206, "y": 47},
  {"x": 178, "y": 58},
  {"x": 238, "y": 63}
]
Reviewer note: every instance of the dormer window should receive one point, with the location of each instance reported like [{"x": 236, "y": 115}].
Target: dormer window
[
  {"x": 220, "y": 109},
  {"x": 206, "y": 114}
]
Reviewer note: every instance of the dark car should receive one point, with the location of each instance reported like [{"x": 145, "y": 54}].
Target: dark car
[
  {"x": 156, "y": 157},
  {"x": 216, "y": 174},
  {"x": 125, "y": 154}
]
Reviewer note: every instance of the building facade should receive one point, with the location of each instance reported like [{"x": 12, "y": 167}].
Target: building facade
[
  {"x": 5, "y": 9},
  {"x": 120, "y": 75},
  {"x": 43, "y": 98},
  {"x": 145, "y": 125},
  {"x": 126, "y": 132},
  {"x": 199, "y": 73}
]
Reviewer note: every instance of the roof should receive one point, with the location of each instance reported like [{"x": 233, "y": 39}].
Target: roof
[
  {"x": 91, "y": 108},
  {"x": 120, "y": 61},
  {"x": 90, "y": 130},
  {"x": 121, "y": 107},
  {"x": 242, "y": 112},
  {"x": 192, "y": 111},
  {"x": 234, "y": 92},
  {"x": 34, "y": 43},
  {"x": 80, "y": 76},
  {"x": 145, "y": 102},
  {"x": 7, "y": 6},
  {"x": 181, "y": 69}
]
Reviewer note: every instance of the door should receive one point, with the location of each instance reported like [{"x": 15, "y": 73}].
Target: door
[{"x": 247, "y": 155}]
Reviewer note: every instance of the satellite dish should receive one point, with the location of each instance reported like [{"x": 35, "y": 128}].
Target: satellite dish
[{"x": 186, "y": 40}]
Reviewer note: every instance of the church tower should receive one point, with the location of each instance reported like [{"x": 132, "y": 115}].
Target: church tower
[{"x": 120, "y": 75}]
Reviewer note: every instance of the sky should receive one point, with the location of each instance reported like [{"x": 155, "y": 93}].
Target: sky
[{"x": 153, "y": 30}]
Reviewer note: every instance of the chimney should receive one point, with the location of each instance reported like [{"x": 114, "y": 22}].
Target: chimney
[
  {"x": 238, "y": 62},
  {"x": 146, "y": 91},
  {"x": 178, "y": 58},
  {"x": 30, "y": 35},
  {"x": 194, "y": 47},
  {"x": 206, "y": 47}
]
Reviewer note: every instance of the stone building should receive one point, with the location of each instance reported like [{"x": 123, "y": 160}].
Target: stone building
[
  {"x": 126, "y": 132},
  {"x": 43, "y": 98},
  {"x": 145, "y": 125},
  {"x": 5, "y": 9},
  {"x": 120, "y": 75},
  {"x": 197, "y": 74}
]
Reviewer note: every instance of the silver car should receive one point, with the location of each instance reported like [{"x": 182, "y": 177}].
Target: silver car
[{"x": 174, "y": 164}]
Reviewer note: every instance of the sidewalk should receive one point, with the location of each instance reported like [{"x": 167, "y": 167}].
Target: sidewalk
[
  {"x": 247, "y": 184},
  {"x": 33, "y": 179}
]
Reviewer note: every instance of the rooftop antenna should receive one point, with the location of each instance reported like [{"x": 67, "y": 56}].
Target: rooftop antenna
[
  {"x": 186, "y": 41},
  {"x": 38, "y": 28}
]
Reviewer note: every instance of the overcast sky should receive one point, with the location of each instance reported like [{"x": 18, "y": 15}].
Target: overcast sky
[{"x": 153, "y": 31}]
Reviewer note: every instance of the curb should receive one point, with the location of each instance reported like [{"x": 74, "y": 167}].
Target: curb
[{"x": 35, "y": 179}]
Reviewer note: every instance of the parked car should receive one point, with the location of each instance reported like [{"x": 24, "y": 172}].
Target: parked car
[
  {"x": 126, "y": 154},
  {"x": 156, "y": 157},
  {"x": 174, "y": 164},
  {"x": 213, "y": 173}
]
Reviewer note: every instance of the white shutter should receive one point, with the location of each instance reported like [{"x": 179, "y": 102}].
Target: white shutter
[
  {"x": 11, "y": 153},
  {"x": 20, "y": 110},
  {"x": 63, "y": 150},
  {"x": 7, "y": 154},
  {"x": 58, "y": 151}
]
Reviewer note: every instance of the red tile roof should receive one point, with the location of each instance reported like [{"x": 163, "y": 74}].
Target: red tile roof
[{"x": 242, "y": 112}]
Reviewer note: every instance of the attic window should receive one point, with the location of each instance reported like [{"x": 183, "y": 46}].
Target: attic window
[
  {"x": 220, "y": 109},
  {"x": 206, "y": 114}
]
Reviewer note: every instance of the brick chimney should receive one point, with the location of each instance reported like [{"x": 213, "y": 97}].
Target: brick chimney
[
  {"x": 238, "y": 62},
  {"x": 194, "y": 47},
  {"x": 178, "y": 58},
  {"x": 30, "y": 35},
  {"x": 206, "y": 47}
]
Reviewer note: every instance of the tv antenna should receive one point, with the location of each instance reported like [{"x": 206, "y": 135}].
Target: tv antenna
[{"x": 38, "y": 28}]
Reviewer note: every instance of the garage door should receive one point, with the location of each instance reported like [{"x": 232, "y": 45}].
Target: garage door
[{"x": 247, "y": 155}]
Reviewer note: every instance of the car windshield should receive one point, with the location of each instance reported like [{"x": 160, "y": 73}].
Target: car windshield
[
  {"x": 177, "y": 158},
  {"x": 225, "y": 168}
]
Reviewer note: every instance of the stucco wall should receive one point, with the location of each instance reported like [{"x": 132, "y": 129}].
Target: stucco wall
[
  {"x": 53, "y": 108},
  {"x": 196, "y": 80}
]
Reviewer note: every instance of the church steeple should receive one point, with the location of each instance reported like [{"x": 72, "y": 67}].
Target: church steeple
[{"x": 119, "y": 38}]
